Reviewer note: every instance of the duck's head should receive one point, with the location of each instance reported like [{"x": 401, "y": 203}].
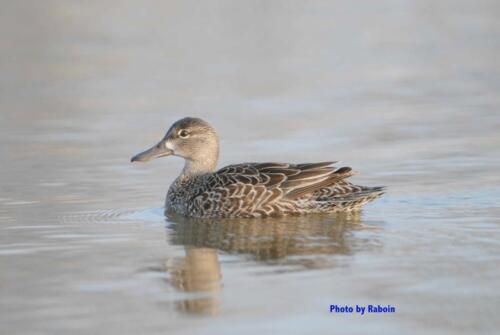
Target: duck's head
[{"x": 193, "y": 139}]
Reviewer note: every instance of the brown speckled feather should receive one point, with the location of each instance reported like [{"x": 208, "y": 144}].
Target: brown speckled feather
[{"x": 271, "y": 189}]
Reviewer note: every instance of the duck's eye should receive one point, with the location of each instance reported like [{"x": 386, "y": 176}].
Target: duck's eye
[{"x": 183, "y": 133}]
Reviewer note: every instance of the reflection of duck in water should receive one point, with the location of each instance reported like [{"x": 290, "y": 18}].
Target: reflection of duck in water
[
  {"x": 310, "y": 240},
  {"x": 249, "y": 189},
  {"x": 270, "y": 238},
  {"x": 198, "y": 272}
]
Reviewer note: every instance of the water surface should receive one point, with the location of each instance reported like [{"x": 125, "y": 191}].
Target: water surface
[{"x": 404, "y": 92}]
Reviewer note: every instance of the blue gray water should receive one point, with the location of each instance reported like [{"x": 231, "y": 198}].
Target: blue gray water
[{"x": 406, "y": 92}]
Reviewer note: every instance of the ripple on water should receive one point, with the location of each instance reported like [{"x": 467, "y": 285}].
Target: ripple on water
[{"x": 115, "y": 216}]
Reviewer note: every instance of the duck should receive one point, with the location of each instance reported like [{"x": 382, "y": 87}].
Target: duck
[{"x": 249, "y": 190}]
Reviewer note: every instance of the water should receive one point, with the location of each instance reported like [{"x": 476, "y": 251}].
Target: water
[{"x": 405, "y": 92}]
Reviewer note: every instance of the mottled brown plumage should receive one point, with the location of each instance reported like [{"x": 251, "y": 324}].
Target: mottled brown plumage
[{"x": 250, "y": 189}]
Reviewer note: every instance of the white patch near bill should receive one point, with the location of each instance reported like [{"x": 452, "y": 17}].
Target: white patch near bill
[{"x": 168, "y": 145}]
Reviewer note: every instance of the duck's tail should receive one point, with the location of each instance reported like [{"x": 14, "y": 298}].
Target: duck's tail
[{"x": 347, "y": 197}]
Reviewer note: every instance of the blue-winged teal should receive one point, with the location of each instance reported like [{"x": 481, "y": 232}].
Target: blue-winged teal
[{"x": 249, "y": 189}]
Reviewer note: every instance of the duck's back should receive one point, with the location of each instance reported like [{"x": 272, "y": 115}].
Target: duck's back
[{"x": 269, "y": 189}]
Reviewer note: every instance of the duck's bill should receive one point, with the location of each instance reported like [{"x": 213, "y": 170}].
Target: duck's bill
[{"x": 157, "y": 151}]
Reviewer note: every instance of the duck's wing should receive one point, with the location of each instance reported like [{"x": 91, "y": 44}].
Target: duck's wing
[
  {"x": 262, "y": 189},
  {"x": 283, "y": 180}
]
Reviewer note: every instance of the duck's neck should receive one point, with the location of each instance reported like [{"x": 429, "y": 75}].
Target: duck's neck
[{"x": 194, "y": 168}]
